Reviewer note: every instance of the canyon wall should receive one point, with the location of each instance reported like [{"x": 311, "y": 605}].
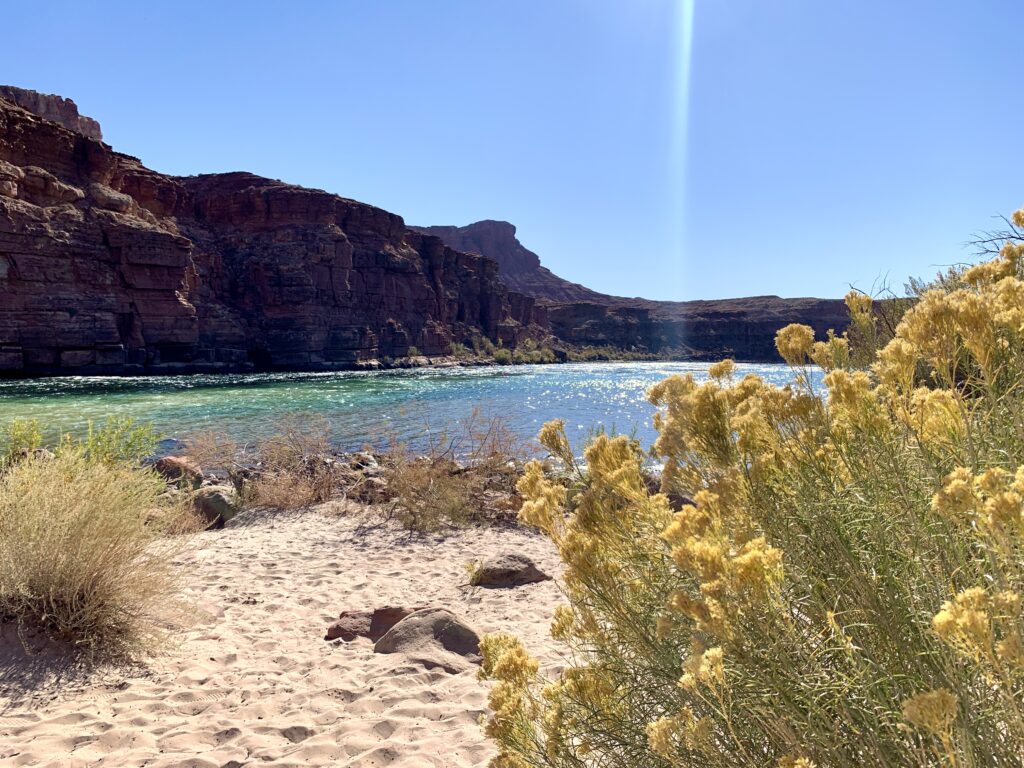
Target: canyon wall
[
  {"x": 109, "y": 267},
  {"x": 741, "y": 328}
]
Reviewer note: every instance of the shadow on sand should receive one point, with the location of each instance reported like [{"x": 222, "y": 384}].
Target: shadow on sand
[{"x": 35, "y": 669}]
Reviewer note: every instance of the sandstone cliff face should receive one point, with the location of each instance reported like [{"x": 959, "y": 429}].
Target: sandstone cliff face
[
  {"x": 740, "y": 328},
  {"x": 520, "y": 268},
  {"x": 109, "y": 267},
  {"x": 55, "y": 108}
]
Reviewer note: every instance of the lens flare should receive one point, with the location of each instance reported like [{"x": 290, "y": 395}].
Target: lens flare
[{"x": 685, "y": 16}]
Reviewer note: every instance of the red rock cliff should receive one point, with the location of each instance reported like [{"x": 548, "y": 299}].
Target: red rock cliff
[
  {"x": 109, "y": 267},
  {"x": 55, "y": 108}
]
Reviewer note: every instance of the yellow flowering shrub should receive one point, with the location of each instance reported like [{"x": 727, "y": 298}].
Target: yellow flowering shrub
[{"x": 823, "y": 578}]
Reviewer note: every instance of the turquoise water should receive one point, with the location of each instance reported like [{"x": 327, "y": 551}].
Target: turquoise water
[{"x": 362, "y": 407}]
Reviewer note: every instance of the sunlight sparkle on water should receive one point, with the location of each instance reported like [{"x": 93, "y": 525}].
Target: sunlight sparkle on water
[{"x": 362, "y": 407}]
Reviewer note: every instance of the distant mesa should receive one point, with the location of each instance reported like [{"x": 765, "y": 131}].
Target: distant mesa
[
  {"x": 742, "y": 328},
  {"x": 520, "y": 267}
]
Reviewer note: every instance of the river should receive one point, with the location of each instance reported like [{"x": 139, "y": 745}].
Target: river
[{"x": 362, "y": 407}]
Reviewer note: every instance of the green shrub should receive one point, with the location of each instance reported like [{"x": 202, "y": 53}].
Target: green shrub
[
  {"x": 119, "y": 439},
  {"x": 460, "y": 351},
  {"x": 502, "y": 356},
  {"x": 531, "y": 351},
  {"x": 483, "y": 347},
  {"x": 21, "y": 437},
  {"x": 829, "y": 581},
  {"x": 82, "y": 555}
]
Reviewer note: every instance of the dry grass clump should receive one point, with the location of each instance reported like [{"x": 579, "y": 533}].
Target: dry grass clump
[
  {"x": 292, "y": 469},
  {"x": 428, "y": 495},
  {"x": 845, "y": 588},
  {"x": 295, "y": 468},
  {"x": 82, "y": 555},
  {"x": 467, "y": 474}
]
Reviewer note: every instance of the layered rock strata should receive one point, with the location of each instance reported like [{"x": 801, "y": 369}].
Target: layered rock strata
[
  {"x": 109, "y": 267},
  {"x": 741, "y": 328}
]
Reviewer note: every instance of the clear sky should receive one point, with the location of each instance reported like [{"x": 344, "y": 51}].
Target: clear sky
[{"x": 817, "y": 144}]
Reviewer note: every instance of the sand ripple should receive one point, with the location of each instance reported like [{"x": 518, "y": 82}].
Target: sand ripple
[{"x": 252, "y": 681}]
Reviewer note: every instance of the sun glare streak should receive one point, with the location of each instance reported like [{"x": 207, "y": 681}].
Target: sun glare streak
[{"x": 679, "y": 153}]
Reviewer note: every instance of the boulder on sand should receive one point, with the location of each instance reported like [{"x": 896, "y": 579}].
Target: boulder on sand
[
  {"x": 507, "y": 570},
  {"x": 372, "y": 624},
  {"x": 433, "y": 637},
  {"x": 216, "y": 504}
]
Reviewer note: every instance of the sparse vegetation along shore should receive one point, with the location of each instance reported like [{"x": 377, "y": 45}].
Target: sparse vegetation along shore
[{"x": 465, "y": 472}]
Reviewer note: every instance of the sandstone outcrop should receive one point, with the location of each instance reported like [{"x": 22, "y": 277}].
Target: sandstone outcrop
[
  {"x": 55, "y": 108},
  {"x": 740, "y": 328},
  {"x": 109, "y": 267}
]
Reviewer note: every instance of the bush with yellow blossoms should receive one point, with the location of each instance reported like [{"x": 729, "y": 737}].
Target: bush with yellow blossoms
[{"x": 823, "y": 578}]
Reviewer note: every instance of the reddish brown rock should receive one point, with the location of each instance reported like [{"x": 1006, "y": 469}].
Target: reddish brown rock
[
  {"x": 371, "y": 624},
  {"x": 520, "y": 267},
  {"x": 55, "y": 108},
  {"x": 179, "y": 469},
  {"x": 108, "y": 267}
]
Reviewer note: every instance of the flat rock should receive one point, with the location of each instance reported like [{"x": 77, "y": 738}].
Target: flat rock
[
  {"x": 507, "y": 570},
  {"x": 372, "y": 624},
  {"x": 433, "y": 637},
  {"x": 179, "y": 469}
]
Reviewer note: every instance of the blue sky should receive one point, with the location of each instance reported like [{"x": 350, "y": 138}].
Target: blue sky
[{"x": 827, "y": 143}]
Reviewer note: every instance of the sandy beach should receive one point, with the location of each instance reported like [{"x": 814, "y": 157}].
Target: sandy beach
[{"x": 250, "y": 679}]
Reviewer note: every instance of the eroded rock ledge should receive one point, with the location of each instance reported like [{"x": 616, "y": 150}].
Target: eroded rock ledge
[{"x": 109, "y": 267}]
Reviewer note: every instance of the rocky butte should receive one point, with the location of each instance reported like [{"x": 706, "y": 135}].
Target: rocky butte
[
  {"x": 741, "y": 328},
  {"x": 109, "y": 267}
]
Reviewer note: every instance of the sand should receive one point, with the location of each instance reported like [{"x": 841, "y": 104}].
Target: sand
[{"x": 251, "y": 680}]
